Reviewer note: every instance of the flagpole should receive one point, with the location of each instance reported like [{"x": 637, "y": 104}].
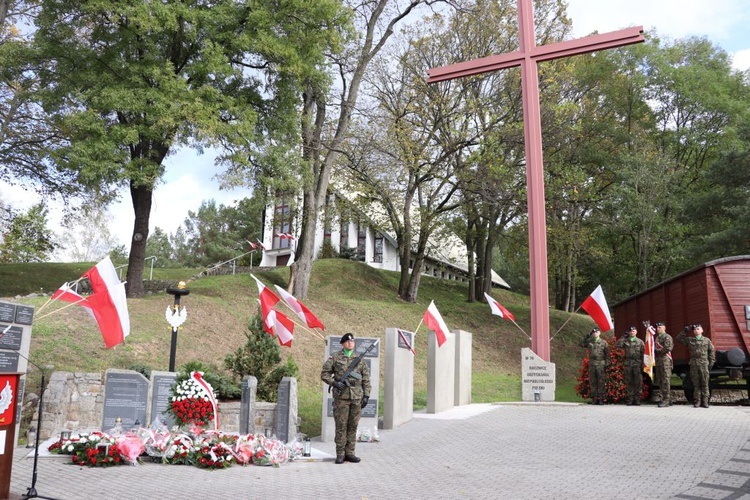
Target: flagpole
[
  {"x": 420, "y": 324},
  {"x": 305, "y": 327},
  {"x": 566, "y": 322},
  {"x": 58, "y": 310},
  {"x": 522, "y": 331}
]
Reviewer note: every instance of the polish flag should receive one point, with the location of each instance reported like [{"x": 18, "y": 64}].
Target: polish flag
[
  {"x": 267, "y": 299},
  {"x": 649, "y": 354},
  {"x": 67, "y": 294},
  {"x": 596, "y": 305},
  {"x": 261, "y": 245},
  {"x": 300, "y": 309},
  {"x": 498, "y": 309},
  {"x": 283, "y": 327},
  {"x": 108, "y": 302},
  {"x": 208, "y": 393},
  {"x": 434, "y": 322},
  {"x": 252, "y": 245}
]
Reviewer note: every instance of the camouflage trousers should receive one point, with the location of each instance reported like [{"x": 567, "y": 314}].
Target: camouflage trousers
[
  {"x": 699, "y": 377},
  {"x": 634, "y": 381},
  {"x": 346, "y": 414},
  {"x": 663, "y": 378},
  {"x": 597, "y": 381}
]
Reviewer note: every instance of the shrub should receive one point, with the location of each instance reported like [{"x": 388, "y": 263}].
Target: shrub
[{"x": 259, "y": 358}]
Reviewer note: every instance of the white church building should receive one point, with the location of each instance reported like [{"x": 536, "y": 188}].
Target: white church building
[{"x": 355, "y": 235}]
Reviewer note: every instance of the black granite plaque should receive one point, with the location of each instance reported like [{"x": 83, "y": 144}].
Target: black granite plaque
[
  {"x": 11, "y": 338},
  {"x": 246, "y": 401},
  {"x": 408, "y": 343},
  {"x": 8, "y": 361},
  {"x": 360, "y": 346},
  {"x": 7, "y": 312},
  {"x": 24, "y": 315},
  {"x": 19, "y": 398},
  {"x": 282, "y": 411},
  {"x": 371, "y": 410},
  {"x": 161, "y": 390},
  {"x": 125, "y": 396}
]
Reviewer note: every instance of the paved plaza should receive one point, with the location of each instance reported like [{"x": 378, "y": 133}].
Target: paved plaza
[{"x": 481, "y": 451}]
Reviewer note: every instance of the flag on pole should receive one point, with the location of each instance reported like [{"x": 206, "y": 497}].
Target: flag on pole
[
  {"x": 434, "y": 322},
  {"x": 252, "y": 245},
  {"x": 108, "y": 302},
  {"x": 261, "y": 245},
  {"x": 596, "y": 305},
  {"x": 649, "y": 354},
  {"x": 498, "y": 309},
  {"x": 67, "y": 294},
  {"x": 300, "y": 309},
  {"x": 267, "y": 299},
  {"x": 283, "y": 328}
]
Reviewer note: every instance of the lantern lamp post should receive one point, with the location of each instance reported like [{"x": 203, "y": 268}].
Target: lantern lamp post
[{"x": 176, "y": 316}]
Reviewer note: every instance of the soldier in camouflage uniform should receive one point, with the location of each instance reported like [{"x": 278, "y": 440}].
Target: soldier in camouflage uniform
[
  {"x": 598, "y": 363},
  {"x": 633, "y": 364},
  {"x": 663, "y": 345},
  {"x": 702, "y": 357},
  {"x": 349, "y": 397}
]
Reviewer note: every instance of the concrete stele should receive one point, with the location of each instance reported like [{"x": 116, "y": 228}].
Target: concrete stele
[
  {"x": 538, "y": 377},
  {"x": 462, "y": 395},
  {"x": 441, "y": 373},
  {"x": 398, "y": 397}
]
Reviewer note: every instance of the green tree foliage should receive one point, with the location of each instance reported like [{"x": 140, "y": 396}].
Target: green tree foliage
[
  {"x": 27, "y": 238},
  {"x": 224, "y": 387},
  {"x": 158, "y": 246},
  {"x": 260, "y": 357},
  {"x": 128, "y": 82}
]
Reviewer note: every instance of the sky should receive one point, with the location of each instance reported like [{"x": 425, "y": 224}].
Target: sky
[{"x": 190, "y": 178}]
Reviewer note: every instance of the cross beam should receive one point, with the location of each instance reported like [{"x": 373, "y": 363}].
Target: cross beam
[{"x": 528, "y": 58}]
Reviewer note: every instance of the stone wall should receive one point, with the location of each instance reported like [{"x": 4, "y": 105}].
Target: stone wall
[{"x": 75, "y": 402}]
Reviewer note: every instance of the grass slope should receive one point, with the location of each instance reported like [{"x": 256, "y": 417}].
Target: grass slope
[{"x": 347, "y": 296}]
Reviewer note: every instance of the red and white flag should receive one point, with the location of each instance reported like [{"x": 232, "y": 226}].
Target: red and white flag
[
  {"x": 261, "y": 245},
  {"x": 498, "y": 309},
  {"x": 67, "y": 294},
  {"x": 300, "y": 309},
  {"x": 267, "y": 299},
  {"x": 208, "y": 393},
  {"x": 596, "y": 305},
  {"x": 649, "y": 354},
  {"x": 108, "y": 302},
  {"x": 252, "y": 245},
  {"x": 434, "y": 322},
  {"x": 283, "y": 328}
]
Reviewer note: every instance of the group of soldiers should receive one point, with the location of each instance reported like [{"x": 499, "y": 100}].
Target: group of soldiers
[{"x": 702, "y": 357}]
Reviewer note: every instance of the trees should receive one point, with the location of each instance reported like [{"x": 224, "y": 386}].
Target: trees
[
  {"x": 87, "y": 236},
  {"x": 127, "y": 82},
  {"x": 27, "y": 238}
]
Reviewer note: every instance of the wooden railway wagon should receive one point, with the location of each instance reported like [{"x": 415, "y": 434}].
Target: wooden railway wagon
[{"x": 716, "y": 295}]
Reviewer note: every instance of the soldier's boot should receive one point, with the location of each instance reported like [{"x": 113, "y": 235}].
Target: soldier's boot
[
  {"x": 339, "y": 459},
  {"x": 696, "y": 403},
  {"x": 352, "y": 458},
  {"x": 663, "y": 404},
  {"x": 704, "y": 402},
  {"x": 637, "y": 402},
  {"x": 630, "y": 402}
]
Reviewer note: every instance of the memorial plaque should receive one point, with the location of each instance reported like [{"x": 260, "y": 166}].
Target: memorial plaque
[
  {"x": 538, "y": 377},
  {"x": 19, "y": 397},
  {"x": 10, "y": 338},
  {"x": 125, "y": 396},
  {"x": 360, "y": 346},
  {"x": 161, "y": 390},
  {"x": 8, "y": 361},
  {"x": 7, "y": 312},
  {"x": 371, "y": 410},
  {"x": 247, "y": 402},
  {"x": 24, "y": 315},
  {"x": 409, "y": 336},
  {"x": 282, "y": 411}
]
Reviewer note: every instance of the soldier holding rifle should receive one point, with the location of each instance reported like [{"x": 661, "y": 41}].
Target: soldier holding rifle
[
  {"x": 632, "y": 364},
  {"x": 349, "y": 378}
]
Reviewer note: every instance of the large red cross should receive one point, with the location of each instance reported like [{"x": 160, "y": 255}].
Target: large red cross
[{"x": 528, "y": 57}]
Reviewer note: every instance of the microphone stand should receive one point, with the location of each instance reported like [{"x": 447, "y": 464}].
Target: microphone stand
[{"x": 31, "y": 491}]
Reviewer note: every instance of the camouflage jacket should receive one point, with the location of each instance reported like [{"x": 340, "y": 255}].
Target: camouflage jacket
[
  {"x": 664, "y": 345},
  {"x": 701, "y": 349},
  {"x": 598, "y": 351},
  {"x": 634, "y": 350},
  {"x": 359, "y": 380}
]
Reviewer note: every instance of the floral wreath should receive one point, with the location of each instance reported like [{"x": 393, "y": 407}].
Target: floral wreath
[{"x": 190, "y": 404}]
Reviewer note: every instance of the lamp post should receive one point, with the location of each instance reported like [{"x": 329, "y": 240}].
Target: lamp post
[{"x": 176, "y": 317}]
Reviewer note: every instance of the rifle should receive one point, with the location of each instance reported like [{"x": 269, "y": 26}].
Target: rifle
[{"x": 345, "y": 377}]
